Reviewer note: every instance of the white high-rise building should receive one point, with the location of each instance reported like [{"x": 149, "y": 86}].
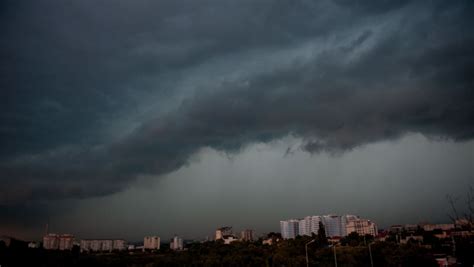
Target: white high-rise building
[
  {"x": 315, "y": 224},
  {"x": 351, "y": 217},
  {"x": 151, "y": 242},
  {"x": 304, "y": 226},
  {"x": 289, "y": 228},
  {"x": 334, "y": 225}
]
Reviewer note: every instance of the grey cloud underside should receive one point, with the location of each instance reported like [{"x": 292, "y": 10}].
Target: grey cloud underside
[{"x": 336, "y": 74}]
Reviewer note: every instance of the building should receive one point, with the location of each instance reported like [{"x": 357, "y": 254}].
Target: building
[
  {"x": 247, "y": 235},
  {"x": 107, "y": 245},
  {"x": 151, "y": 242},
  {"x": 271, "y": 239},
  {"x": 443, "y": 227},
  {"x": 464, "y": 223},
  {"x": 334, "y": 225},
  {"x": 33, "y": 244},
  {"x": 411, "y": 228},
  {"x": 119, "y": 244},
  {"x": 102, "y": 245},
  {"x": 223, "y": 231},
  {"x": 395, "y": 229},
  {"x": 412, "y": 238},
  {"x": 309, "y": 225},
  {"x": 289, "y": 228},
  {"x": 304, "y": 226},
  {"x": 229, "y": 239},
  {"x": 361, "y": 227},
  {"x": 315, "y": 220},
  {"x": 58, "y": 242},
  {"x": 51, "y": 241},
  {"x": 66, "y": 242},
  {"x": 176, "y": 243}
]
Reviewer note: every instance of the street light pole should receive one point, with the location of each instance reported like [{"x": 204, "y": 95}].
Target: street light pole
[
  {"x": 335, "y": 258},
  {"x": 306, "y": 248},
  {"x": 370, "y": 253}
]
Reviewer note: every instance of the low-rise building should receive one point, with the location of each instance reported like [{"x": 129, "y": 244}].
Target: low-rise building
[
  {"x": 361, "y": 227},
  {"x": 271, "y": 238},
  {"x": 411, "y": 228},
  {"x": 102, "y": 245},
  {"x": 396, "y": 228},
  {"x": 464, "y": 223},
  {"x": 413, "y": 238},
  {"x": 229, "y": 239},
  {"x": 441, "y": 226},
  {"x": 33, "y": 244}
]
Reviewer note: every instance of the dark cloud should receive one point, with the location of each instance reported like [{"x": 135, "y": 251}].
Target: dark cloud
[{"x": 337, "y": 74}]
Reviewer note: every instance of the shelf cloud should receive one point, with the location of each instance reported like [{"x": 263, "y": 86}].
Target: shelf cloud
[{"x": 97, "y": 93}]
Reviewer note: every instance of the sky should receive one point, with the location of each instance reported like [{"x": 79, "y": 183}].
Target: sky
[{"x": 133, "y": 118}]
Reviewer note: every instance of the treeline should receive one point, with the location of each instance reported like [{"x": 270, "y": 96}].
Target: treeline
[
  {"x": 354, "y": 251},
  {"x": 292, "y": 253}
]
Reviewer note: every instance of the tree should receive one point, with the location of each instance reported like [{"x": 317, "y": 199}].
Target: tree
[
  {"x": 352, "y": 239},
  {"x": 467, "y": 213},
  {"x": 322, "y": 240}
]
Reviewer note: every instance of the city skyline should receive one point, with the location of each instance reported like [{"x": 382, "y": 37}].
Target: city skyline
[
  {"x": 336, "y": 227},
  {"x": 343, "y": 221},
  {"x": 414, "y": 244},
  {"x": 130, "y": 118}
]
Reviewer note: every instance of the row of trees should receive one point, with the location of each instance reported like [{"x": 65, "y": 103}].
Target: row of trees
[
  {"x": 353, "y": 252},
  {"x": 284, "y": 253},
  {"x": 292, "y": 253}
]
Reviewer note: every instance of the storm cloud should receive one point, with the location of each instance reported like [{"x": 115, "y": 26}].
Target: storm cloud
[{"x": 97, "y": 93}]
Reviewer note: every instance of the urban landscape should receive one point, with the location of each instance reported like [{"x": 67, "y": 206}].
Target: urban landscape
[
  {"x": 236, "y": 133},
  {"x": 328, "y": 240}
]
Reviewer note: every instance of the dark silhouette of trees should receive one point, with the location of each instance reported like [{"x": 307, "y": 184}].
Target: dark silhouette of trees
[
  {"x": 290, "y": 252},
  {"x": 462, "y": 213},
  {"x": 321, "y": 239},
  {"x": 354, "y": 239}
]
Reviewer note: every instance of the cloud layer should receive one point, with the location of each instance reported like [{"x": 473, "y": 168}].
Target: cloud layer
[{"x": 96, "y": 94}]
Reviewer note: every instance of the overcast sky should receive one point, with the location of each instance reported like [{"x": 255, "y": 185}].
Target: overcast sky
[{"x": 131, "y": 118}]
